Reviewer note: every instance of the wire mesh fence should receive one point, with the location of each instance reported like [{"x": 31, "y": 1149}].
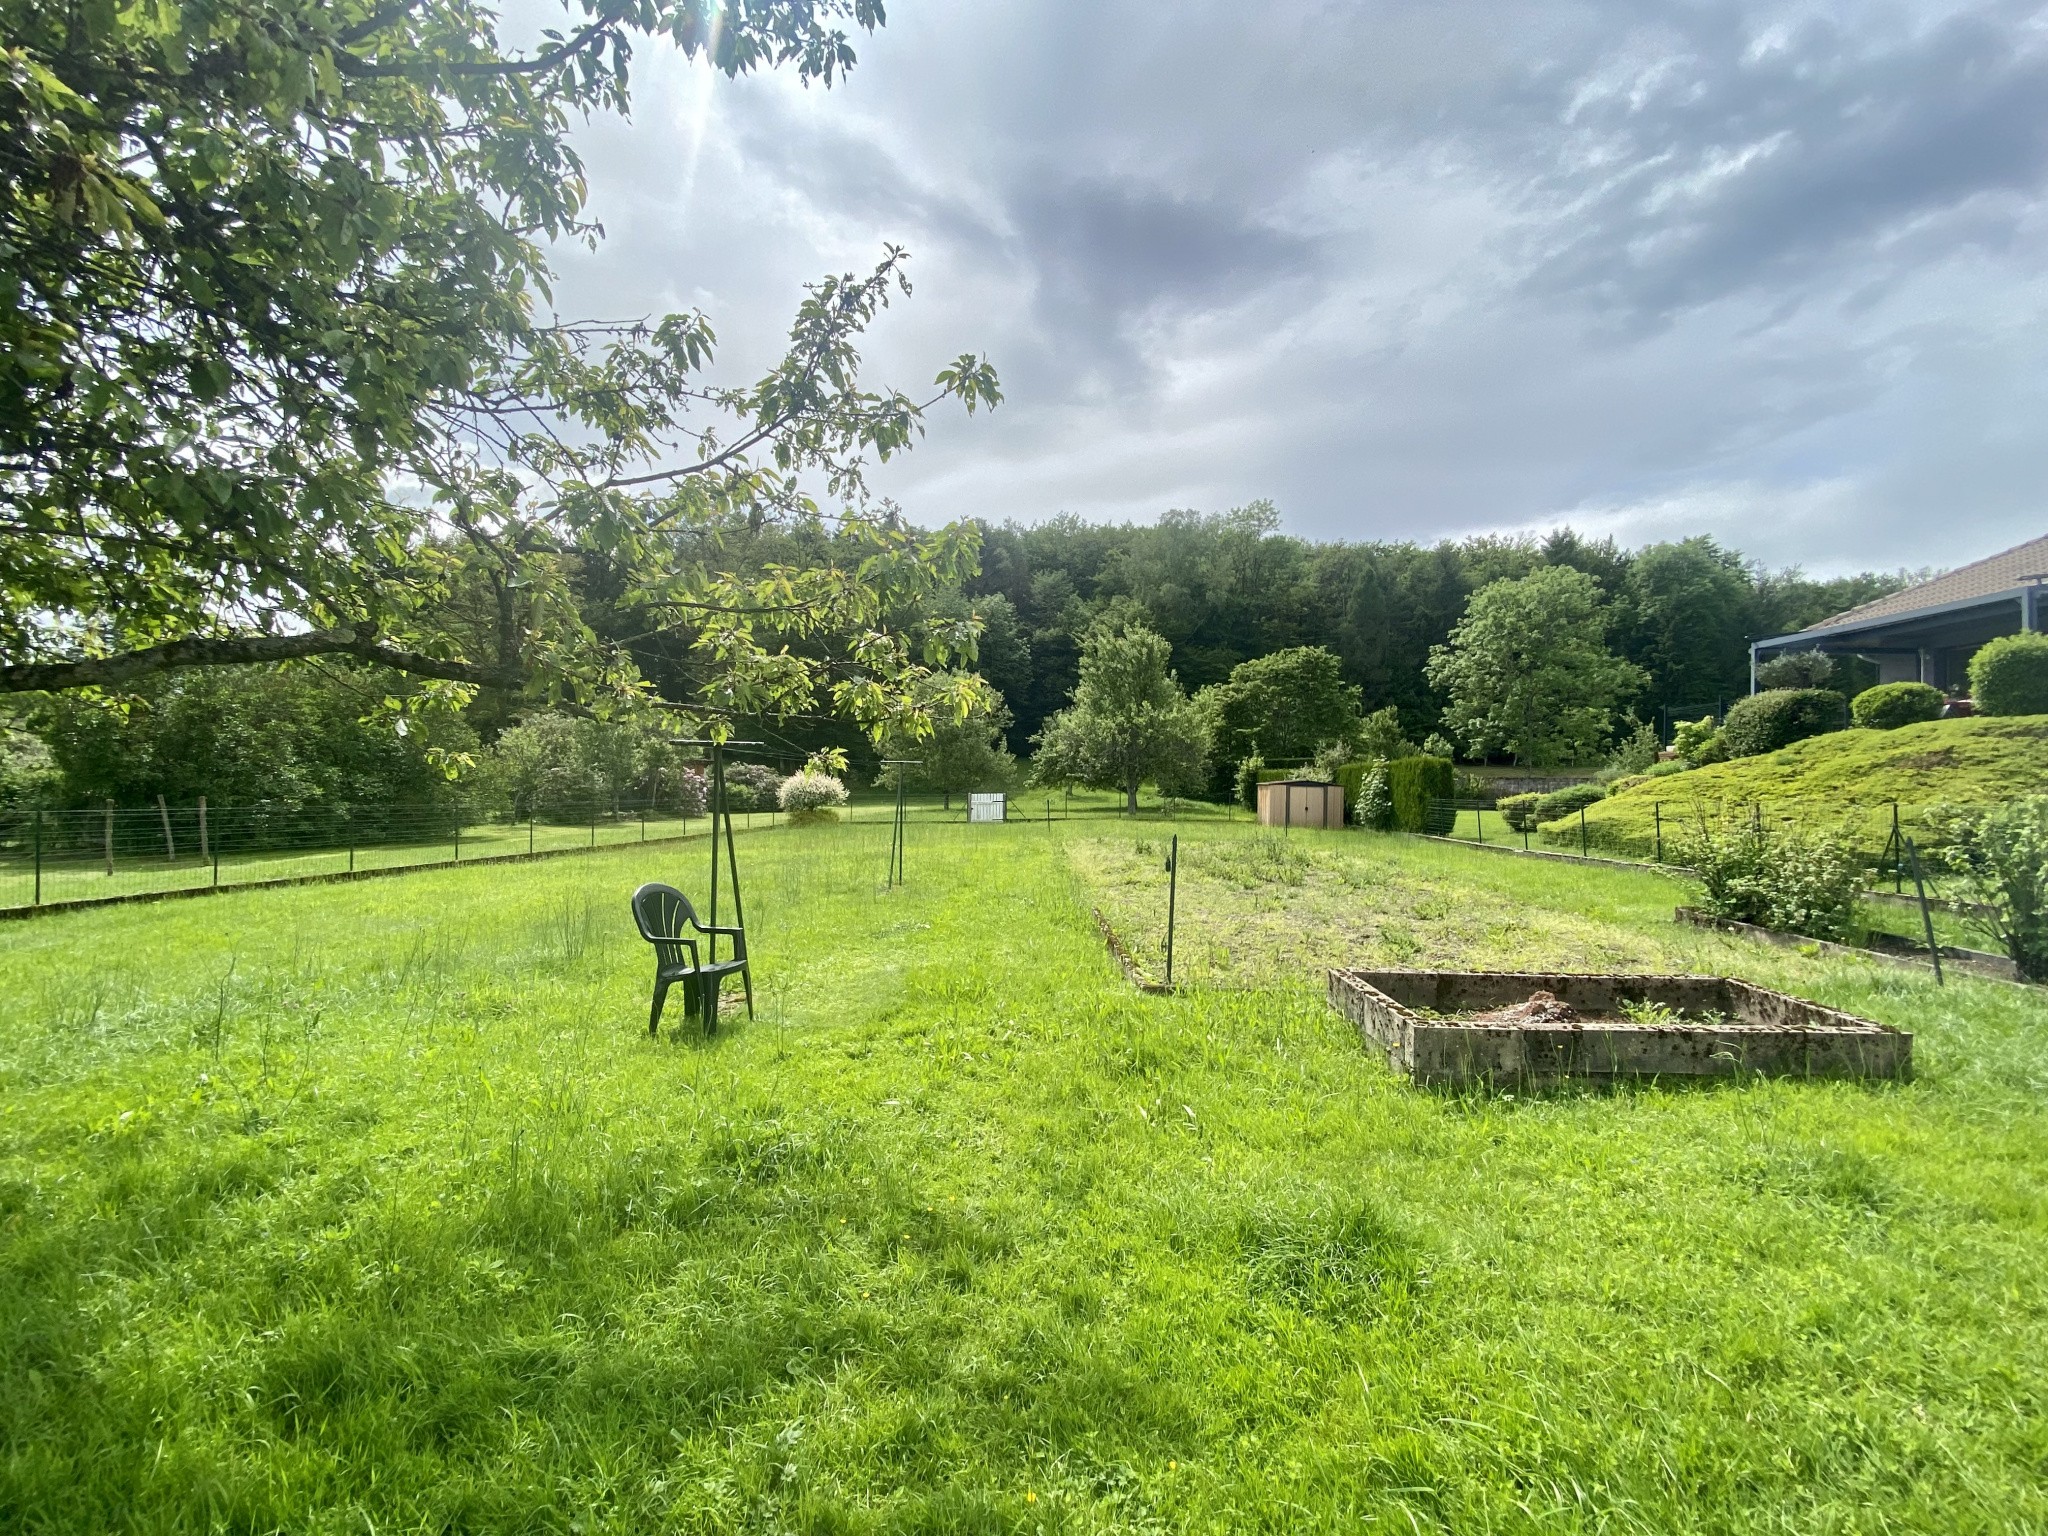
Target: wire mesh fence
[
  {"x": 57, "y": 856},
  {"x": 1655, "y": 831}
]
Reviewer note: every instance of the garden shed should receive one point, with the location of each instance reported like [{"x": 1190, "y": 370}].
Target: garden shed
[{"x": 1301, "y": 803}]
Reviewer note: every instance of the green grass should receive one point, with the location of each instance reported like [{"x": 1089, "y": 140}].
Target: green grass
[
  {"x": 372, "y": 1207},
  {"x": 1846, "y": 779}
]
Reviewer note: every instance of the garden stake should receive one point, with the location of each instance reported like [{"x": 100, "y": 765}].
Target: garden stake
[
  {"x": 1172, "y": 890},
  {"x": 1926, "y": 917},
  {"x": 1895, "y": 846}
]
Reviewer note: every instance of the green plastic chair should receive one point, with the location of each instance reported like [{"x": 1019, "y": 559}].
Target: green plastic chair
[{"x": 666, "y": 920}]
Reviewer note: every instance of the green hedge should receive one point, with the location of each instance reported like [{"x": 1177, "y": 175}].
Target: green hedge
[
  {"x": 1569, "y": 801},
  {"x": 2009, "y": 676},
  {"x": 1422, "y": 788},
  {"x": 1518, "y": 811},
  {"x": 1889, "y": 706},
  {"x": 1764, "y": 722}
]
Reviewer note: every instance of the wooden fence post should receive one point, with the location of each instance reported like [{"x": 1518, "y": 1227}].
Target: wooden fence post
[{"x": 170, "y": 844}]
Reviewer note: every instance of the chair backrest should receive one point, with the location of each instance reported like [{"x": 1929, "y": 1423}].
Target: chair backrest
[{"x": 662, "y": 913}]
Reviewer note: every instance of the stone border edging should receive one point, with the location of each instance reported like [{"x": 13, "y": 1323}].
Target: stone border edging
[
  {"x": 333, "y": 877},
  {"x": 1976, "y": 962},
  {"x": 1132, "y": 974}
]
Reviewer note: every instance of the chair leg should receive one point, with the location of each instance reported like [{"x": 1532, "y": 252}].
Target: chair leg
[
  {"x": 711, "y": 988},
  {"x": 654, "y": 1017},
  {"x": 747, "y": 981}
]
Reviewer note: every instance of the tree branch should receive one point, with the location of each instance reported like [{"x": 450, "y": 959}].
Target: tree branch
[{"x": 357, "y": 640}]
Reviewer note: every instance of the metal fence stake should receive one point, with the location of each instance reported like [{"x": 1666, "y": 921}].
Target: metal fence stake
[
  {"x": 1658, "y": 808},
  {"x": 39, "y": 856},
  {"x": 1582, "y": 832},
  {"x": 1926, "y": 917},
  {"x": 529, "y": 834},
  {"x": 458, "y": 840},
  {"x": 1172, "y": 892},
  {"x": 107, "y": 838}
]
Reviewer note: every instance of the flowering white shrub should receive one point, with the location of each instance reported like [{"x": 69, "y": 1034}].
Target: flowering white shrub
[{"x": 811, "y": 791}]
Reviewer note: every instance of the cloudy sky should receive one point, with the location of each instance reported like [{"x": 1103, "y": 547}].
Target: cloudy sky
[{"x": 1409, "y": 270}]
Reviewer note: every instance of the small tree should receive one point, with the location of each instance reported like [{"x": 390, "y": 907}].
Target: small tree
[
  {"x": 1283, "y": 706},
  {"x": 1528, "y": 671},
  {"x": 1379, "y": 735},
  {"x": 960, "y": 756},
  {"x": 1129, "y": 720}
]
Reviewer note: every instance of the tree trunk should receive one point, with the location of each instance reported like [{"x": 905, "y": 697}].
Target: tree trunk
[
  {"x": 1131, "y": 798},
  {"x": 170, "y": 844}
]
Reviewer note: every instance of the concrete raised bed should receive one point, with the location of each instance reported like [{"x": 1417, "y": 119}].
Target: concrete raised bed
[{"x": 1423, "y": 1022}]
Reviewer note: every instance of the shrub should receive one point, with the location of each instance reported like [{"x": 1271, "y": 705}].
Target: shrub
[
  {"x": 1569, "y": 801},
  {"x": 1371, "y": 795},
  {"x": 1421, "y": 788},
  {"x": 1690, "y": 737},
  {"x": 1793, "y": 882},
  {"x": 1636, "y": 753},
  {"x": 1891, "y": 705},
  {"x": 1797, "y": 669},
  {"x": 1764, "y": 722},
  {"x": 751, "y": 786},
  {"x": 1665, "y": 769},
  {"x": 2000, "y": 857},
  {"x": 2009, "y": 676},
  {"x": 692, "y": 792},
  {"x": 811, "y": 793},
  {"x": 1248, "y": 774},
  {"x": 1519, "y": 811}
]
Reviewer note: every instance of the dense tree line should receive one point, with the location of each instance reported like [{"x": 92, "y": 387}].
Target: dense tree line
[{"x": 1229, "y": 587}]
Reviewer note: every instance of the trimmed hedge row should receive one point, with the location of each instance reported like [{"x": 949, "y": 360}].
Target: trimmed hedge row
[{"x": 1422, "y": 787}]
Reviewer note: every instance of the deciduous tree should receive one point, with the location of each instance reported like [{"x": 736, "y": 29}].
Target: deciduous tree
[
  {"x": 1129, "y": 720},
  {"x": 1528, "y": 672},
  {"x": 279, "y": 377}
]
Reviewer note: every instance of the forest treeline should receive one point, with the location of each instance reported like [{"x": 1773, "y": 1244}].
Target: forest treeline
[
  {"x": 1226, "y": 587},
  {"x": 1222, "y": 588}
]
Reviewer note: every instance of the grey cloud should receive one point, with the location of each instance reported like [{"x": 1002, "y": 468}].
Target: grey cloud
[{"x": 1408, "y": 268}]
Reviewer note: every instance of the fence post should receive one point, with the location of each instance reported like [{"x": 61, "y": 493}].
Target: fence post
[
  {"x": 107, "y": 838},
  {"x": 1172, "y": 891},
  {"x": 205, "y": 843},
  {"x": 643, "y": 823},
  {"x": 1582, "y": 832},
  {"x": 593, "y": 829},
  {"x": 39, "y": 856},
  {"x": 529, "y": 834},
  {"x": 1479, "y": 823},
  {"x": 1658, "y": 808},
  {"x": 1898, "y": 850},
  {"x": 170, "y": 843},
  {"x": 458, "y": 839}
]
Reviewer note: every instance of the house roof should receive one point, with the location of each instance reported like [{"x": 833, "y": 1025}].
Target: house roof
[{"x": 1981, "y": 578}]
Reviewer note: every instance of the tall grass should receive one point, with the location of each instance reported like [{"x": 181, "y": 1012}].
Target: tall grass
[{"x": 373, "y": 1207}]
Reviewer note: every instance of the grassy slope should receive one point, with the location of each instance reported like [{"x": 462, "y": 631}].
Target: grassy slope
[
  {"x": 373, "y": 1207},
  {"x": 1847, "y": 777}
]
